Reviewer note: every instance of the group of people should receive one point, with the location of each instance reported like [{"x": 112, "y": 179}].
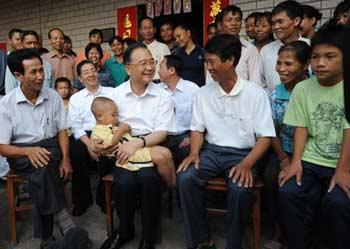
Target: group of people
[{"x": 179, "y": 113}]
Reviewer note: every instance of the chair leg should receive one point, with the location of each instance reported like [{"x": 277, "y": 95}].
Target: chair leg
[
  {"x": 109, "y": 217},
  {"x": 256, "y": 220},
  {"x": 12, "y": 210}
]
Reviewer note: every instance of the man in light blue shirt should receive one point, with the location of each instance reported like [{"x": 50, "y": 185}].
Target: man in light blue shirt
[
  {"x": 182, "y": 94},
  {"x": 29, "y": 39}
]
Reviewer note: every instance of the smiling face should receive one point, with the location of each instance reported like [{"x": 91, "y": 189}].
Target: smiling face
[
  {"x": 326, "y": 64},
  {"x": 218, "y": 69},
  {"x": 56, "y": 40},
  {"x": 15, "y": 41},
  {"x": 284, "y": 27},
  {"x": 88, "y": 75},
  {"x": 231, "y": 23},
  {"x": 33, "y": 76},
  {"x": 142, "y": 66},
  {"x": 182, "y": 37},
  {"x": 263, "y": 30},
  {"x": 249, "y": 27},
  {"x": 290, "y": 70},
  {"x": 117, "y": 47},
  {"x": 94, "y": 56}
]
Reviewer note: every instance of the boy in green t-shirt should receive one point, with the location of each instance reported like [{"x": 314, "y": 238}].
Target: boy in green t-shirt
[{"x": 319, "y": 162}]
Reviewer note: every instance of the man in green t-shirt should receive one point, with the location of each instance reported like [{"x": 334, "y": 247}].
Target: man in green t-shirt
[{"x": 319, "y": 162}]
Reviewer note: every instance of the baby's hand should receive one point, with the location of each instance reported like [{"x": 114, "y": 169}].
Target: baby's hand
[{"x": 124, "y": 127}]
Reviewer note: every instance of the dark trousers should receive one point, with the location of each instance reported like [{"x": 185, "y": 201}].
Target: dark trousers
[
  {"x": 173, "y": 142},
  {"x": 214, "y": 161},
  {"x": 81, "y": 187},
  {"x": 146, "y": 184},
  {"x": 299, "y": 206},
  {"x": 45, "y": 186}
]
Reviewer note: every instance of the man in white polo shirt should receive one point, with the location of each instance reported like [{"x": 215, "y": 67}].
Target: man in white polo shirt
[
  {"x": 286, "y": 20},
  {"x": 233, "y": 116},
  {"x": 149, "y": 111},
  {"x": 147, "y": 31}
]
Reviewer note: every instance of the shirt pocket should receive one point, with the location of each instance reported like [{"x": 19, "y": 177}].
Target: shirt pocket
[{"x": 244, "y": 125}]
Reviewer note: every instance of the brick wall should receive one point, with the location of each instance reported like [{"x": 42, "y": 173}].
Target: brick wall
[{"x": 77, "y": 17}]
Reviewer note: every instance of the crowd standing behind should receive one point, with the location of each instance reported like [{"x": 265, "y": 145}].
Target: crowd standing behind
[{"x": 268, "y": 106}]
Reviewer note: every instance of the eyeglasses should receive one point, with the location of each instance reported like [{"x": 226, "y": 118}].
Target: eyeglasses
[{"x": 145, "y": 63}]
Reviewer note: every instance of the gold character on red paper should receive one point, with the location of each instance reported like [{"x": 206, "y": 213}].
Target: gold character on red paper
[{"x": 215, "y": 8}]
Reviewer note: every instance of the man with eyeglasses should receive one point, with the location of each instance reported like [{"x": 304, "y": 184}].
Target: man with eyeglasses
[{"x": 147, "y": 108}]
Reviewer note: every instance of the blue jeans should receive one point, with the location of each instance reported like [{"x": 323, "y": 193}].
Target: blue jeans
[
  {"x": 299, "y": 206},
  {"x": 214, "y": 161}
]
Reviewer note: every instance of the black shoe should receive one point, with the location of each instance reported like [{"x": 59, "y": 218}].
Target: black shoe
[
  {"x": 78, "y": 211},
  {"x": 50, "y": 243},
  {"x": 114, "y": 242}
]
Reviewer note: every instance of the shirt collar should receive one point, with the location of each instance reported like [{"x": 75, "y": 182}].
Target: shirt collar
[
  {"x": 281, "y": 92},
  {"x": 152, "y": 44},
  {"x": 235, "y": 90},
  {"x": 54, "y": 54},
  {"x": 20, "y": 97},
  {"x": 150, "y": 90},
  {"x": 180, "y": 86},
  {"x": 87, "y": 92}
]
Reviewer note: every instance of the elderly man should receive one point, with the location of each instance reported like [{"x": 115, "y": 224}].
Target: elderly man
[
  {"x": 234, "y": 117},
  {"x": 34, "y": 139},
  {"x": 149, "y": 111}
]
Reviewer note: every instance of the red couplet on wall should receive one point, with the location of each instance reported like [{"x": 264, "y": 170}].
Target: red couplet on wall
[
  {"x": 127, "y": 22},
  {"x": 211, "y": 9},
  {"x": 3, "y": 46}
]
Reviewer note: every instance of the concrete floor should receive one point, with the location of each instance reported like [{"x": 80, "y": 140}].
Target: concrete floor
[{"x": 94, "y": 221}]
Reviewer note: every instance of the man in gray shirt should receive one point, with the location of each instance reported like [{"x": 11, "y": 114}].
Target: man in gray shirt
[{"x": 33, "y": 137}]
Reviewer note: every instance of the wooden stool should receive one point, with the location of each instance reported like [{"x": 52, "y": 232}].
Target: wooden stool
[
  {"x": 219, "y": 184},
  {"x": 13, "y": 181}
]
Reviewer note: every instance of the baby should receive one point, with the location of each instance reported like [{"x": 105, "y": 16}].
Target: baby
[{"x": 108, "y": 132}]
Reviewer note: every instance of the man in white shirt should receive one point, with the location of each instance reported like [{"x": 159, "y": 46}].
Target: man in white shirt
[
  {"x": 147, "y": 31},
  {"x": 249, "y": 66},
  {"x": 234, "y": 117},
  {"x": 182, "y": 94},
  {"x": 149, "y": 111},
  {"x": 82, "y": 121},
  {"x": 286, "y": 20}
]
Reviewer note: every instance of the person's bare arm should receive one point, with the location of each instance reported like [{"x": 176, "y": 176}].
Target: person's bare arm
[
  {"x": 295, "y": 168},
  {"x": 282, "y": 156},
  {"x": 65, "y": 166}
]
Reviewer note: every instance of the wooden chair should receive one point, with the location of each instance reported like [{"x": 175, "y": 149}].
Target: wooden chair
[
  {"x": 13, "y": 181},
  {"x": 219, "y": 184}
]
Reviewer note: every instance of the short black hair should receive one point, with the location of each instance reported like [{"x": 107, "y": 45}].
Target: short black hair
[
  {"x": 82, "y": 63},
  {"x": 311, "y": 12},
  {"x": 175, "y": 62},
  {"x": 301, "y": 50},
  {"x": 252, "y": 15},
  {"x": 67, "y": 39},
  {"x": 13, "y": 31},
  {"x": 229, "y": 9},
  {"x": 330, "y": 34},
  {"x": 63, "y": 79},
  {"x": 129, "y": 41},
  {"x": 225, "y": 46},
  {"x": 168, "y": 23},
  {"x": 29, "y": 32},
  {"x": 96, "y": 31},
  {"x": 53, "y": 29},
  {"x": 341, "y": 8},
  {"x": 115, "y": 38},
  {"x": 212, "y": 25},
  {"x": 91, "y": 46},
  {"x": 128, "y": 52},
  {"x": 263, "y": 15},
  {"x": 16, "y": 58},
  {"x": 292, "y": 9},
  {"x": 146, "y": 18}
]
